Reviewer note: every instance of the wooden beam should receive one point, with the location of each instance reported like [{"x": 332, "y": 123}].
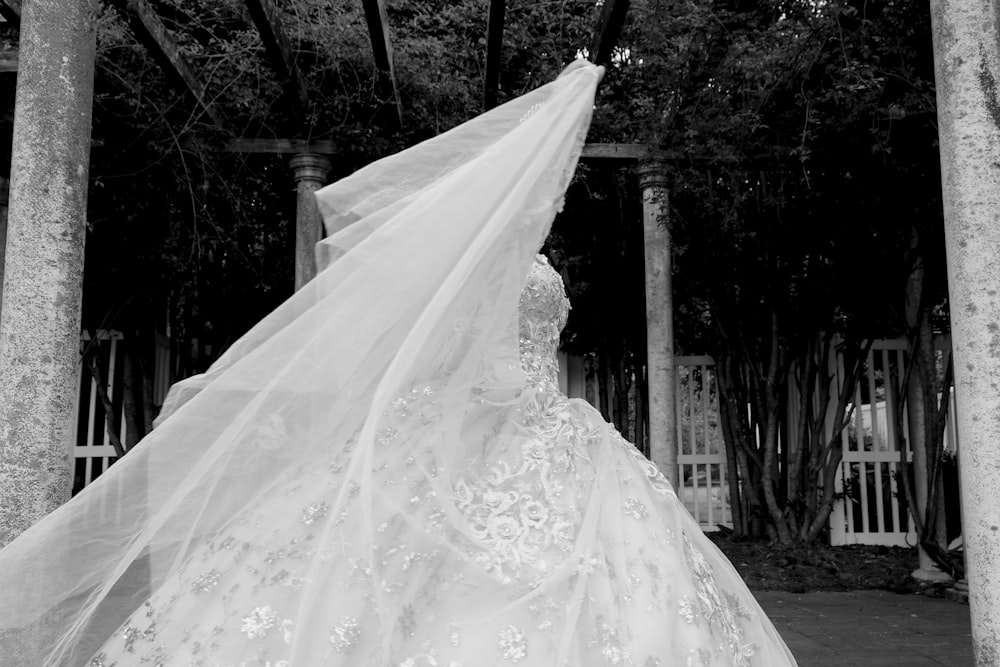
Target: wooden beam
[
  {"x": 8, "y": 61},
  {"x": 10, "y": 10},
  {"x": 151, "y": 32},
  {"x": 327, "y": 147},
  {"x": 494, "y": 46},
  {"x": 617, "y": 151},
  {"x": 268, "y": 21},
  {"x": 608, "y": 29},
  {"x": 378, "y": 30},
  {"x": 280, "y": 146}
]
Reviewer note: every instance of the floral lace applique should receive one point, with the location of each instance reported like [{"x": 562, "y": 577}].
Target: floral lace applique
[
  {"x": 607, "y": 638},
  {"x": 345, "y": 635},
  {"x": 518, "y": 510},
  {"x": 722, "y": 610},
  {"x": 513, "y": 644}
]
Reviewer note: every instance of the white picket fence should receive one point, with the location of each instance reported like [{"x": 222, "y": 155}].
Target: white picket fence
[
  {"x": 870, "y": 508},
  {"x": 701, "y": 460},
  {"x": 701, "y": 451},
  {"x": 94, "y": 453}
]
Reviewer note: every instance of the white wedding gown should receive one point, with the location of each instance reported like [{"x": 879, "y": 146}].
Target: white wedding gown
[
  {"x": 383, "y": 472},
  {"x": 650, "y": 589}
]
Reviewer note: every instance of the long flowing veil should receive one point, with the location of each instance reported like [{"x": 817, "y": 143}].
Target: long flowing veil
[{"x": 416, "y": 296}]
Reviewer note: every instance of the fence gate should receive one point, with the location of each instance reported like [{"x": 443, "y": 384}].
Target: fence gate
[
  {"x": 701, "y": 450},
  {"x": 93, "y": 453},
  {"x": 870, "y": 507}
]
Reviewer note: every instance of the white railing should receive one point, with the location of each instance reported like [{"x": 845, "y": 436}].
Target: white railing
[
  {"x": 870, "y": 509},
  {"x": 701, "y": 450},
  {"x": 94, "y": 453}
]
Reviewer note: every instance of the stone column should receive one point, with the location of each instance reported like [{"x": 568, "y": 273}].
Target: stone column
[
  {"x": 967, "y": 72},
  {"x": 659, "y": 319},
  {"x": 40, "y": 316},
  {"x": 310, "y": 175}
]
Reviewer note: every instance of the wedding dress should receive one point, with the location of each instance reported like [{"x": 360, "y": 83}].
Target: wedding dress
[{"x": 384, "y": 471}]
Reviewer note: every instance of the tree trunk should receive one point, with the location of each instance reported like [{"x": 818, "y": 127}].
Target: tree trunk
[
  {"x": 131, "y": 399},
  {"x": 740, "y": 528},
  {"x": 604, "y": 387},
  {"x": 621, "y": 411},
  {"x": 814, "y": 398},
  {"x": 732, "y": 407},
  {"x": 590, "y": 381},
  {"x": 832, "y": 451},
  {"x": 772, "y": 404},
  {"x": 640, "y": 412}
]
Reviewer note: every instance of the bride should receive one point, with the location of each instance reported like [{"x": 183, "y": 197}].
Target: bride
[{"x": 384, "y": 472}]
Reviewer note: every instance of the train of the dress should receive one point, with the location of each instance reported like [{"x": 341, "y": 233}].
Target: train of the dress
[{"x": 578, "y": 552}]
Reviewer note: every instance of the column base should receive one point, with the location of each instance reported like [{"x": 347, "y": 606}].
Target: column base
[
  {"x": 959, "y": 592},
  {"x": 931, "y": 576}
]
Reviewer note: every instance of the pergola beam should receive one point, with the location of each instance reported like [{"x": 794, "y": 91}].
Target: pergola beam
[
  {"x": 10, "y": 10},
  {"x": 625, "y": 152},
  {"x": 617, "y": 151},
  {"x": 153, "y": 35},
  {"x": 280, "y": 146},
  {"x": 327, "y": 147},
  {"x": 608, "y": 30},
  {"x": 272, "y": 32},
  {"x": 378, "y": 30},
  {"x": 8, "y": 61},
  {"x": 494, "y": 46}
]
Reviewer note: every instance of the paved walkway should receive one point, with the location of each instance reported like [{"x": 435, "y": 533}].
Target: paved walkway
[{"x": 871, "y": 629}]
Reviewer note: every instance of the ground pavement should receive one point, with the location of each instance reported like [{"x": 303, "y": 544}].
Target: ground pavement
[{"x": 871, "y": 628}]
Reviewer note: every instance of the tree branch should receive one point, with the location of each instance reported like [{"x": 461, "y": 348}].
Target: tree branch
[{"x": 153, "y": 35}]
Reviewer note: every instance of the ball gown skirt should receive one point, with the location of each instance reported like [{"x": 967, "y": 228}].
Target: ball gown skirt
[{"x": 573, "y": 549}]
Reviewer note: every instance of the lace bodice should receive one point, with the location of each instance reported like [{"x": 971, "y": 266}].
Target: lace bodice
[{"x": 543, "y": 310}]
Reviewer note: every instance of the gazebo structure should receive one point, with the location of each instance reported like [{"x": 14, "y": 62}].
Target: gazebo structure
[{"x": 37, "y": 424}]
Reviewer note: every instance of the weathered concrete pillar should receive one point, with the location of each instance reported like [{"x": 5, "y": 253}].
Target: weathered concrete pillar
[
  {"x": 40, "y": 316},
  {"x": 659, "y": 319},
  {"x": 310, "y": 176},
  {"x": 967, "y": 73}
]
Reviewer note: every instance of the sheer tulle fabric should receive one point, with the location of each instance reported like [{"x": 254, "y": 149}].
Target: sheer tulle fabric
[
  {"x": 442, "y": 236},
  {"x": 339, "y": 488}
]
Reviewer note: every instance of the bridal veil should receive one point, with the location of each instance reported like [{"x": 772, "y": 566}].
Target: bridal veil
[{"x": 417, "y": 292}]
